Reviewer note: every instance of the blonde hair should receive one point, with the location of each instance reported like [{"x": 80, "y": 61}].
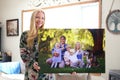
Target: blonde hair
[
  {"x": 32, "y": 33},
  {"x": 76, "y": 46},
  {"x": 56, "y": 44},
  {"x": 71, "y": 51},
  {"x": 68, "y": 46}
]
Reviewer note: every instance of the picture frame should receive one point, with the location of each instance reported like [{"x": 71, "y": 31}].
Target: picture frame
[
  {"x": 90, "y": 58},
  {"x": 12, "y": 27}
]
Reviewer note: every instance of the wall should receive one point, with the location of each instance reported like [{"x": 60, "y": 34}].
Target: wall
[
  {"x": 112, "y": 40},
  {"x": 11, "y": 10}
]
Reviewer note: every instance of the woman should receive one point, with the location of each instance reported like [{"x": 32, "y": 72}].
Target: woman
[
  {"x": 79, "y": 53},
  {"x": 29, "y": 45}
]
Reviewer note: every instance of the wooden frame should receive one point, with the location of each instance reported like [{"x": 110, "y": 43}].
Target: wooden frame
[
  {"x": 27, "y": 13},
  {"x": 12, "y": 27}
]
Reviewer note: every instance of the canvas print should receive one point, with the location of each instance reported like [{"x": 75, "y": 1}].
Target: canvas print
[{"x": 69, "y": 50}]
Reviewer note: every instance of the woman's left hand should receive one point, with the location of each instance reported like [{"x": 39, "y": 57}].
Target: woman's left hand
[{"x": 36, "y": 66}]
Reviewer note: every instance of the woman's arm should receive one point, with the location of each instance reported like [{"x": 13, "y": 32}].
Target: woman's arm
[{"x": 25, "y": 51}]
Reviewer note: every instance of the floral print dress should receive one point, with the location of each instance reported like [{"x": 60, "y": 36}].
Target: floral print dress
[{"x": 29, "y": 56}]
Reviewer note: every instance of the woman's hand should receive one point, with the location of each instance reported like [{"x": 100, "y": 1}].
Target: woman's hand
[
  {"x": 35, "y": 66},
  {"x": 73, "y": 73}
]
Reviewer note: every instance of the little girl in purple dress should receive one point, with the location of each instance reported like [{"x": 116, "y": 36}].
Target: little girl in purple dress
[{"x": 56, "y": 53}]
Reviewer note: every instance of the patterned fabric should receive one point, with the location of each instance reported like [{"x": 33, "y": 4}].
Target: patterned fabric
[{"x": 29, "y": 56}]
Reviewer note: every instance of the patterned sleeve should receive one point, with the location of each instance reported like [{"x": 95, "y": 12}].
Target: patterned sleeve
[{"x": 25, "y": 51}]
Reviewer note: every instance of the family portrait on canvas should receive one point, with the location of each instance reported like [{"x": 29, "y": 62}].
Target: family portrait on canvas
[{"x": 68, "y": 50}]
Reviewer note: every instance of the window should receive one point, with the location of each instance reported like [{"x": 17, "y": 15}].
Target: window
[{"x": 85, "y": 14}]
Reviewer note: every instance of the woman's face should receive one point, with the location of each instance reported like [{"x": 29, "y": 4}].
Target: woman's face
[
  {"x": 78, "y": 46},
  {"x": 62, "y": 40},
  {"x": 39, "y": 20}
]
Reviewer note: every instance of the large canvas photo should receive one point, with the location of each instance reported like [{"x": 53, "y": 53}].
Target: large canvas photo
[{"x": 69, "y": 50}]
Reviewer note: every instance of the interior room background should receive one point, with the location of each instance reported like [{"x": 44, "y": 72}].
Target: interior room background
[{"x": 12, "y": 10}]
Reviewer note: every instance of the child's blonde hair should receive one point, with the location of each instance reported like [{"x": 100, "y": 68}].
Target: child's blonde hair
[
  {"x": 76, "y": 46},
  {"x": 56, "y": 45}
]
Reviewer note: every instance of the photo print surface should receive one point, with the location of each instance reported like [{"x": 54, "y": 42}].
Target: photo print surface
[{"x": 69, "y": 50}]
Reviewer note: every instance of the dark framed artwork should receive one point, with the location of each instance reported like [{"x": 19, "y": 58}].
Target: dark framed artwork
[
  {"x": 90, "y": 59},
  {"x": 12, "y": 27}
]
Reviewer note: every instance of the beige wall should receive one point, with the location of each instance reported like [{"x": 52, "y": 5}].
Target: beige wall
[
  {"x": 112, "y": 40},
  {"x": 12, "y": 10}
]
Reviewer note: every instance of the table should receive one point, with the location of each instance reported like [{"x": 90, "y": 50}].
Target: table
[{"x": 114, "y": 75}]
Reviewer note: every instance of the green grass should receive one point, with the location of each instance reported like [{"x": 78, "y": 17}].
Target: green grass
[{"x": 45, "y": 68}]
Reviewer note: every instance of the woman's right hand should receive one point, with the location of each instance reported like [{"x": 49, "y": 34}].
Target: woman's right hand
[
  {"x": 36, "y": 66},
  {"x": 73, "y": 73}
]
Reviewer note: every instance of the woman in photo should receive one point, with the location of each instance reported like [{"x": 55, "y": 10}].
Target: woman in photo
[
  {"x": 82, "y": 56},
  {"x": 63, "y": 48},
  {"x": 79, "y": 54}
]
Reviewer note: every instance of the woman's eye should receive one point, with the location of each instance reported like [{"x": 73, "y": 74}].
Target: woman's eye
[
  {"x": 37, "y": 17},
  {"x": 40, "y": 18},
  {"x": 43, "y": 18}
]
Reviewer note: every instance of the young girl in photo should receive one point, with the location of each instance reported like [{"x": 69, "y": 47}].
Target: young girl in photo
[
  {"x": 56, "y": 53},
  {"x": 82, "y": 56},
  {"x": 79, "y": 54}
]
